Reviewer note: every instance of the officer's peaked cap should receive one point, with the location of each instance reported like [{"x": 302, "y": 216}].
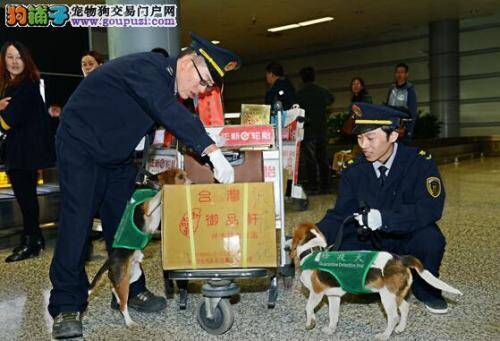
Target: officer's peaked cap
[
  {"x": 369, "y": 117},
  {"x": 219, "y": 60}
]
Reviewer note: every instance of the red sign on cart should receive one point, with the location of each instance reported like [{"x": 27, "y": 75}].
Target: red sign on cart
[{"x": 242, "y": 135}]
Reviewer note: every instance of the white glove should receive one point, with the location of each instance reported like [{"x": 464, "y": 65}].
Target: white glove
[
  {"x": 373, "y": 217},
  {"x": 223, "y": 171}
]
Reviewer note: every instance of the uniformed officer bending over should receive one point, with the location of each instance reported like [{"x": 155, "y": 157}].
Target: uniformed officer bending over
[
  {"x": 103, "y": 121},
  {"x": 402, "y": 187}
]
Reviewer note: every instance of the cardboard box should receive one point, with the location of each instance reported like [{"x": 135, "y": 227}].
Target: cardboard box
[
  {"x": 255, "y": 114},
  {"x": 230, "y": 226}
]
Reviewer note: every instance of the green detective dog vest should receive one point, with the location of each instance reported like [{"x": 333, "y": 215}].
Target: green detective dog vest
[
  {"x": 128, "y": 235},
  {"x": 348, "y": 267}
]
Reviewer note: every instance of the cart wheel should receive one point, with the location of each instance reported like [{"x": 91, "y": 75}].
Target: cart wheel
[
  {"x": 222, "y": 321},
  {"x": 288, "y": 282}
]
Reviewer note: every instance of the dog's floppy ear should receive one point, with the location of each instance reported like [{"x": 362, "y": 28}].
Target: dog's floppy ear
[{"x": 298, "y": 236}]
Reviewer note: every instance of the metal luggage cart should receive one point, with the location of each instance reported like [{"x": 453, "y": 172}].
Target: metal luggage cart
[
  {"x": 215, "y": 315},
  {"x": 293, "y": 125}
]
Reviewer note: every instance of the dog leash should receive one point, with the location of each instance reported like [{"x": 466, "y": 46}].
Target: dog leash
[
  {"x": 366, "y": 232},
  {"x": 340, "y": 235}
]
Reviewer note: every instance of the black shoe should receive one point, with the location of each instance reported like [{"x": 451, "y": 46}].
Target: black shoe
[
  {"x": 31, "y": 247},
  {"x": 436, "y": 305},
  {"x": 26, "y": 240},
  {"x": 67, "y": 325},
  {"x": 145, "y": 302}
]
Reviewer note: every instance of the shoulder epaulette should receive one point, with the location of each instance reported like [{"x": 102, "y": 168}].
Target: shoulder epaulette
[{"x": 424, "y": 154}]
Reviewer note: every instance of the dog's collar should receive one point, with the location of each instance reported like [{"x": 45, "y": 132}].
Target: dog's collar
[{"x": 309, "y": 251}]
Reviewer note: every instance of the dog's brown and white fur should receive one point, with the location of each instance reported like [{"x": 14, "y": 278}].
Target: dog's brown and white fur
[
  {"x": 123, "y": 265},
  {"x": 389, "y": 275}
]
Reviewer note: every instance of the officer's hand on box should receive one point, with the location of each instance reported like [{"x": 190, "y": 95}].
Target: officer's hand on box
[
  {"x": 371, "y": 219},
  {"x": 223, "y": 171}
]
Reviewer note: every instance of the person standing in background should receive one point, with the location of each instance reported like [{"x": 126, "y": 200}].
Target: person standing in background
[
  {"x": 315, "y": 99},
  {"x": 359, "y": 95},
  {"x": 280, "y": 87},
  {"x": 359, "y": 92},
  {"x": 403, "y": 97},
  {"x": 90, "y": 61},
  {"x": 25, "y": 121}
]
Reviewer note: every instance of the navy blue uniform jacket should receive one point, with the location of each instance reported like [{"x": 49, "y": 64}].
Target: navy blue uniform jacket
[
  {"x": 117, "y": 104},
  {"x": 405, "y": 201},
  {"x": 282, "y": 90}
]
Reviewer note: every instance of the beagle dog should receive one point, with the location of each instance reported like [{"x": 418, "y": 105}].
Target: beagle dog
[
  {"x": 123, "y": 265},
  {"x": 388, "y": 274}
]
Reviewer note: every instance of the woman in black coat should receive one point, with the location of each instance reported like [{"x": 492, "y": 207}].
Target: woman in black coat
[
  {"x": 25, "y": 121},
  {"x": 359, "y": 92}
]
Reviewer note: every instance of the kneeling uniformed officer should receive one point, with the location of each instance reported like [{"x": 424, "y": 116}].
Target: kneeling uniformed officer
[
  {"x": 103, "y": 121},
  {"x": 402, "y": 187}
]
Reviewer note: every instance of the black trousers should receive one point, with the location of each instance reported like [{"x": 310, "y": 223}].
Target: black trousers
[
  {"x": 316, "y": 163},
  {"x": 86, "y": 187},
  {"x": 23, "y": 183}
]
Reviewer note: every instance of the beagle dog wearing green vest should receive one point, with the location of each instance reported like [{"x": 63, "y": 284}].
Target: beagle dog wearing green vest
[
  {"x": 334, "y": 273},
  {"x": 141, "y": 219}
]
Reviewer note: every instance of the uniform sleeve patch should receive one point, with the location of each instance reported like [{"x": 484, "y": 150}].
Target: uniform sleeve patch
[{"x": 433, "y": 186}]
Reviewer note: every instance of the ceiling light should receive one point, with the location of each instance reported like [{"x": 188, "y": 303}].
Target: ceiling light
[
  {"x": 282, "y": 28},
  {"x": 183, "y": 48},
  {"x": 300, "y": 24},
  {"x": 215, "y": 42},
  {"x": 315, "y": 21}
]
